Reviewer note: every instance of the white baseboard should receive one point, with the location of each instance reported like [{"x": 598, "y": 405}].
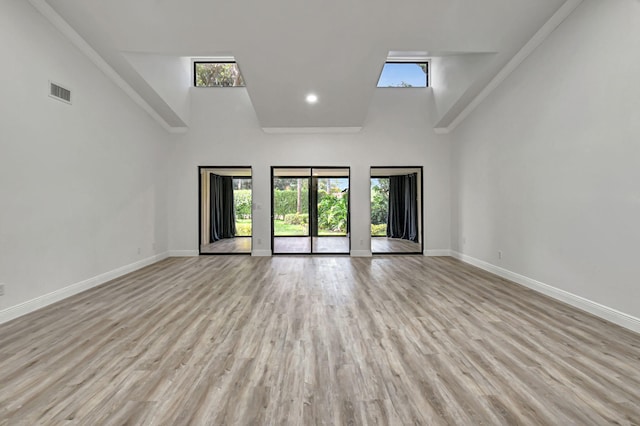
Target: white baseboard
[
  {"x": 73, "y": 289},
  {"x": 361, "y": 253},
  {"x": 183, "y": 253},
  {"x": 261, "y": 253},
  {"x": 604, "y": 312},
  {"x": 442, "y": 252}
]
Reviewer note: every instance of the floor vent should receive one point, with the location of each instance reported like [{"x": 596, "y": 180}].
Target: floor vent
[{"x": 60, "y": 93}]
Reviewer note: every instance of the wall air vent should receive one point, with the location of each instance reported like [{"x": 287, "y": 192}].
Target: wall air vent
[{"x": 60, "y": 93}]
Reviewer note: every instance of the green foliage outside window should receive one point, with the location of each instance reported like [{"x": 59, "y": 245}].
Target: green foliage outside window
[
  {"x": 379, "y": 230},
  {"x": 379, "y": 201},
  {"x": 243, "y": 228},
  {"x": 332, "y": 213},
  {"x": 296, "y": 219},
  {"x": 218, "y": 75},
  {"x": 242, "y": 200},
  {"x": 286, "y": 202}
]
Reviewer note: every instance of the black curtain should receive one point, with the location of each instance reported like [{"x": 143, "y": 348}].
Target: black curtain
[
  {"x": 402, "y": 219},
  {"x": 223, "y": 216}
]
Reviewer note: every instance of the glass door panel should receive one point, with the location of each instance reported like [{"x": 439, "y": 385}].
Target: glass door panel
[
  {"x": 330, "y": 215},
  {"x": 290, "y": 210},
  {"x": 332, "y": 206},
  {"x": 291, "y": 207},
  {"x": 396, "y": 210},
  {"x": 310, "y": 210},
  {"x": 225, "y": 210}
]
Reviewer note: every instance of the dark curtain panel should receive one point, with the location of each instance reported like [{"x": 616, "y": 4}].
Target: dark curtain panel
[
  {"x": 223, "y": 217},
  {"x": 402, "y": 220}
]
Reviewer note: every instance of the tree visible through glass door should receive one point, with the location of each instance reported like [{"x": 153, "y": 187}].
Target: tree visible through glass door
[
  {"x": 291, "y": 207},
  {"x": 333, "y": 206}
]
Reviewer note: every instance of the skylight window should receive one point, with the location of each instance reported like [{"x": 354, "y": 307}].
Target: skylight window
[
  {"x": 404, "y": 74},
  {"x": 217, "y": 74}
]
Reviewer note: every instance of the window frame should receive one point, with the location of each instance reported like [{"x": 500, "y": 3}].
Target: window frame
[
  {"x": 210, "y": 61},
  {"x": 415, "y": 62}
]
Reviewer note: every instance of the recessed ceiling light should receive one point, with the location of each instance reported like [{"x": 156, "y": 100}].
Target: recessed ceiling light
[{"x": 311, "y": 98}]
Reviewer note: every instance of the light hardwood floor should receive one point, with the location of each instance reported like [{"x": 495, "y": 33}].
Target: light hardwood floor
[
  {"x": 228, "y": 245},
  {"x": 316, "y": 340},
  {"x": 394, "y": 245},
  {"x": 302, "y": 245}
]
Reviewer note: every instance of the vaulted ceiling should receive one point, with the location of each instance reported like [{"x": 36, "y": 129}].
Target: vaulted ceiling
[{"x": 288, "y": 48}]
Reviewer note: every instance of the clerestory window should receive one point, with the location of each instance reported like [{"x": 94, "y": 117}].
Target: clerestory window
[
  {"x": 217, "y": 74},
  {"x": 404, "y": 74}
]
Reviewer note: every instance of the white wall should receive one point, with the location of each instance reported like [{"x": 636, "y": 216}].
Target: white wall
[
  {"x": 169, "y": 76},
  {"x": 547, "y": 169},
  {"x": 82, "y": 186},
  {"x": 224, "y": 131},
  {"x": 452, "y": 76}
]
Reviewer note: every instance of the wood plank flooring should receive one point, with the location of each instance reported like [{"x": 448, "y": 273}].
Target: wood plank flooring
[
  {"x": 225, "y": 340},
  {"x": 228, "y": 245},
  {"x": 394, "y": 245},
  {"x": 302, "y": 245}
]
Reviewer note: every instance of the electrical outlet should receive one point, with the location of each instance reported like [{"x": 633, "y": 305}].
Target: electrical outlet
[
  {"x": 139, "y": 250},
  {"x": 259, "y": 241},
  {"x": 1, "y": 289},
  {"x": 499, "y": 254}
]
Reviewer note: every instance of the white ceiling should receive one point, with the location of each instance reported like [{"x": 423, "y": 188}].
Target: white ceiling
[{"x": 288, "y": 48}]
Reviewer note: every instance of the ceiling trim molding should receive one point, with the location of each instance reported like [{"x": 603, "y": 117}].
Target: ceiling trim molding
[
  {"x": 538, "y": 38},
  {"x": 310, "y": 130},
  {"x": 61, "y": 25}
]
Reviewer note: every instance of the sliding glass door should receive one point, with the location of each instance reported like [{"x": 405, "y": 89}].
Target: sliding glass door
[
  {"x": 225, "y": 210},
  {"x": 330, "y": 219},
  {"x": 290, "y": 211},
  {"x": 396, "y": 210},
  {"x": 310, "y": 210}
]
